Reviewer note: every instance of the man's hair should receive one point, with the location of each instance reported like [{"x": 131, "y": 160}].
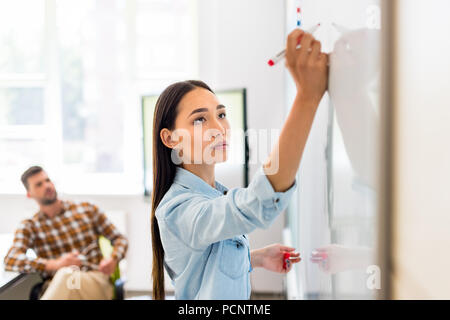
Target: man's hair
[{"x": 28, "y": 173}]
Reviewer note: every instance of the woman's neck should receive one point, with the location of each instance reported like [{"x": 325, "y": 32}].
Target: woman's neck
[{"x": 204, "y": 171}]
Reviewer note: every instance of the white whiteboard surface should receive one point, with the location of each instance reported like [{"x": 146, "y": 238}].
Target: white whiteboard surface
[{"x": 336, "y": 204}]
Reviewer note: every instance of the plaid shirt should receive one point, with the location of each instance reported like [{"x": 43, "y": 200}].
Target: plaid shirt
[{"x": 77, "y": 227}]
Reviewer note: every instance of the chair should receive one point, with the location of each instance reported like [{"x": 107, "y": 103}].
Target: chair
[{"x": 106, "y": 248}]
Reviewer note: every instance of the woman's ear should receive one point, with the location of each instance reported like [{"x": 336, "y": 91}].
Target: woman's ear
[{"x": 166, "y": 138}]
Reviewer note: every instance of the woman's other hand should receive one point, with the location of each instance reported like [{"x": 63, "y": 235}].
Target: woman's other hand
[{"x": 272, "y": 258}]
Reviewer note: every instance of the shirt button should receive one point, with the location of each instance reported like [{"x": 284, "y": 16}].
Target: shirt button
[{"x": 277, "y": 200}]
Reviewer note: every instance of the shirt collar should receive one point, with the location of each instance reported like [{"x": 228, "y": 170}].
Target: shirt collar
[
  {"x": 65, "y": 207},
  {"x": 194, "y": 182}
]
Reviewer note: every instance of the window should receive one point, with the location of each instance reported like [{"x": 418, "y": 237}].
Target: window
[{"x": 71, "y": 76}]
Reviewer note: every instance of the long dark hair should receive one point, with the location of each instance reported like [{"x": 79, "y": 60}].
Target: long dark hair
[{"x": 164, "y": 169}]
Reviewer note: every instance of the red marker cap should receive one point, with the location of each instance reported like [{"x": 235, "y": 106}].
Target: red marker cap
[{"x": 286, "y": 257}]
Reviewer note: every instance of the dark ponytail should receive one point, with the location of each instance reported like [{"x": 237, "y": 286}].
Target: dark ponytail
[{"x": 164, "y": 169}]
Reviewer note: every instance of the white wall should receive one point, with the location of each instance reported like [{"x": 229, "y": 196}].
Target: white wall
[{"x": 421, "y": 216}]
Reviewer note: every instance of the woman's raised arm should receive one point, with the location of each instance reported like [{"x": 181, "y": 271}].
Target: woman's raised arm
[{"x": 309, "y": 69}]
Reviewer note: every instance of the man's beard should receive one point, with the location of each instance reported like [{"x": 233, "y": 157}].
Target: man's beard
[{"x": 48, "y": 201}]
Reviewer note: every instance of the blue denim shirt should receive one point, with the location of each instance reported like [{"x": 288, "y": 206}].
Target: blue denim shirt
[{"x": 203, "y": 233}]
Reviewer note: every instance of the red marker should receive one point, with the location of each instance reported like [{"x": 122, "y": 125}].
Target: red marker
[
  {"x": 286, "y": 257},
  {"x": 282, "y": 54}
]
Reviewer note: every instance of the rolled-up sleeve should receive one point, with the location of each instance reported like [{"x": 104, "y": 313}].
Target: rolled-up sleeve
[
  {"x": 16, "y": 259},
  {"x": 199, "y": 221}
]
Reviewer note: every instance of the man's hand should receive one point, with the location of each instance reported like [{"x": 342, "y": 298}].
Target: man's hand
[
  {"x": 271, "y": 258},
  {"x": 107, "y": 266},
  {"x": 68, "y": 259}
]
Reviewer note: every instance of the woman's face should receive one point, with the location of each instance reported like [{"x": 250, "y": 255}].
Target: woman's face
[{"x": 201, "y": 128}]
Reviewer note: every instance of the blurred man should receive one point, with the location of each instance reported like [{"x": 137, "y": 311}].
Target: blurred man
[{"x": 64, "y": 236}]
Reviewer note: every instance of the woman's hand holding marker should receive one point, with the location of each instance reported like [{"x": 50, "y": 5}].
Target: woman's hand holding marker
[
  {"x": 280, "y": 56},
  {"x": 307, "y": 65},
  {"x": 276, "y": 258}
]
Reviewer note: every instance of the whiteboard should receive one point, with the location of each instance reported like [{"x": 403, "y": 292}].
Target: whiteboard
[{"x": 332, "y": 219}]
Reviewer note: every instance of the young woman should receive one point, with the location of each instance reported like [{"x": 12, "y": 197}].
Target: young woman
[{"x": 199, "y": 226}]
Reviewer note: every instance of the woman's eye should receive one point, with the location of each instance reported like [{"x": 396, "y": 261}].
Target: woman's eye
[
  {"x": 222, "y": 115},
  {"x": 199, "y": 120}
]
